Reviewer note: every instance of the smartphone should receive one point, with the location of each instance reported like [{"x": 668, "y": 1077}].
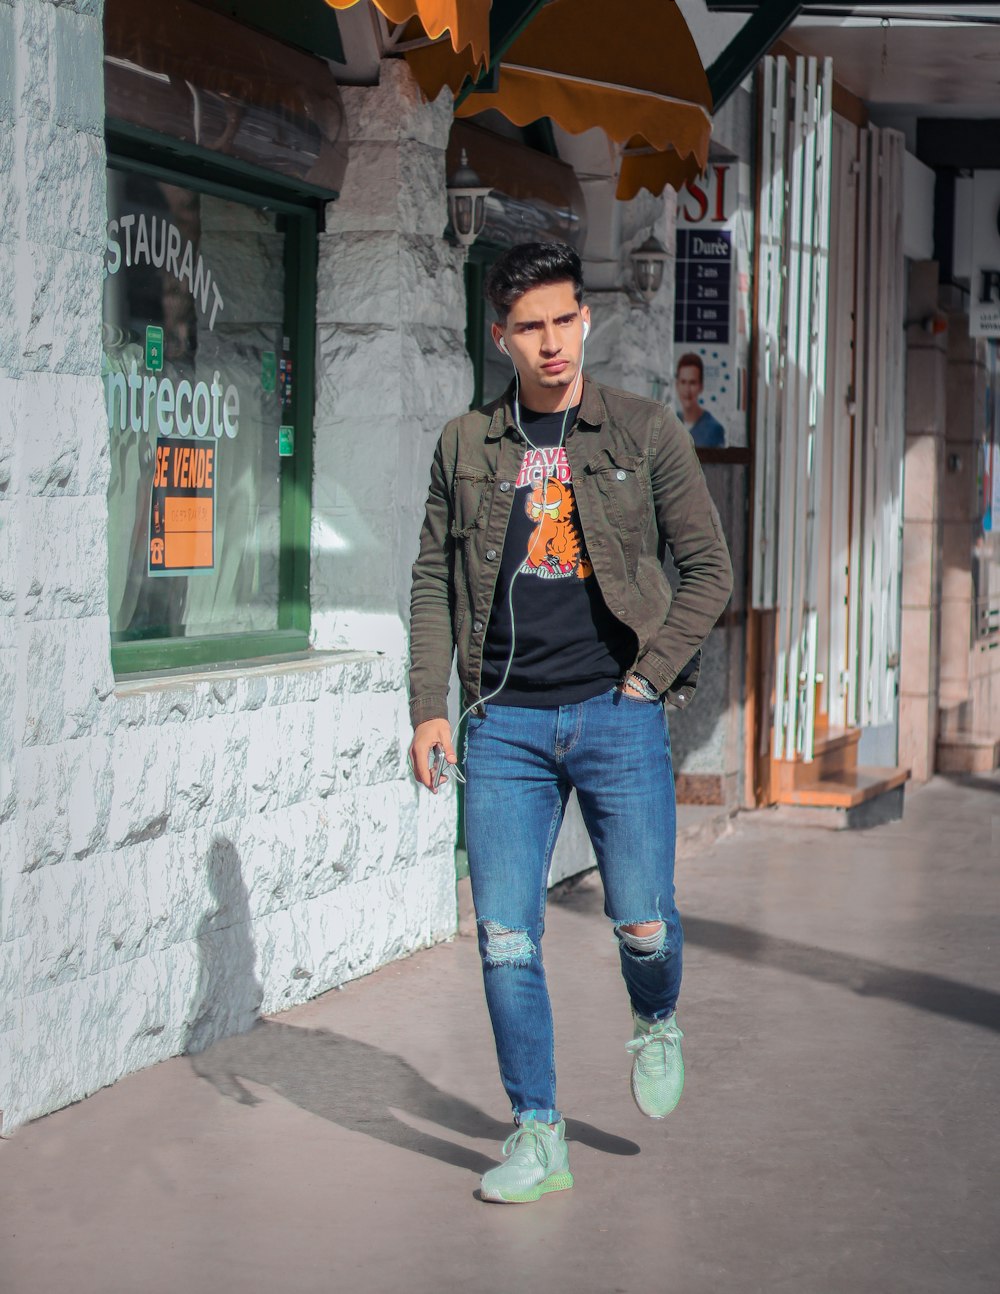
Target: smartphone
[{"x": 438, "y": 764}]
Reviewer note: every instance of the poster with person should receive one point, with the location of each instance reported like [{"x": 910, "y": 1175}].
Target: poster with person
[{"x": 712, "y": 306}]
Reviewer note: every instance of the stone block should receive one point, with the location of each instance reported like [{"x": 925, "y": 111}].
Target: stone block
[
  {"x": 959, "y": 484},
  {"x": 64, "y": 443},
  {"x": 919, "y": 545},
  {"x": 79, "y": 70},
  {"x": 395, "y": 109},
  {"x": 278, "y": 763},
  {"x": 35, "y": 30},
  {"x": 359, "y": 279},
  {"x": 915, "y": 677},
  {"x": 423, "y": 201},
  {"x": 89, "y": 791},
  {"x": 966, "y": 403},
  {"x": 70, "y": 681},
  {"x": 10, "y": 191},
  {"x": 65, "y": 186},
  {"x": 431, "y": 281},
  {"x": 357, "y": 463},
  {"x": 923, "y": 470},
  {"x": 145, "y": 767},
  {"x": 8, "y": 80},
  {"x": 925, "y": 392},
  {"x": 917, "y": 735},
  {"x": 360, "y": 373},
  {"x": 10, "y": 554},
  {"x": 61, "y": 329},
  {"x": 10, "y": 333},
  {"x": 956, "y": 641},
  {"x": 370, "y": 198},
  {"x": 436, "y": 371},
  {"x": 43, "y": 794},
  {"x": 64, "y": 567}
]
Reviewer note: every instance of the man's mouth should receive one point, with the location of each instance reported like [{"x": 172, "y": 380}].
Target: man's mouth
[{"x": 555, "y": 365}]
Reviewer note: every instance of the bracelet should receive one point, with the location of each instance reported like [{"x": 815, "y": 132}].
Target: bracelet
[{"x": 641, "y": 685}]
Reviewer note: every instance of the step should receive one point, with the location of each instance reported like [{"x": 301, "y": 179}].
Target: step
[
  {"x": 835, "y": 752},
  {"x": 968, "y": 752},
  {"x": 846, "y": 790},
  {"x": 858, "y": 799}
]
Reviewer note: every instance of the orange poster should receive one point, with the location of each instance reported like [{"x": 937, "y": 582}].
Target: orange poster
[{"x": 182, "y": 508}]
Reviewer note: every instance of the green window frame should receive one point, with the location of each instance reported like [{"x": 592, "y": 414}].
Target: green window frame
[{"x": 132, "y": 150}]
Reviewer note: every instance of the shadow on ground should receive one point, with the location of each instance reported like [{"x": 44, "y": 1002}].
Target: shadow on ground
[
  {"x": 867, "y": 978},
  {"x": 358, "y": 1085}
]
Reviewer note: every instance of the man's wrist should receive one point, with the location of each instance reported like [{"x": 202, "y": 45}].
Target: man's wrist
[{"x": 637, "y": 682}]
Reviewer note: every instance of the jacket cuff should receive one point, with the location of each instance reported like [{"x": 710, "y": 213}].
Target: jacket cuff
[
  {"x": 678, "y": 685},
  {"x": 423, "y": 708}
]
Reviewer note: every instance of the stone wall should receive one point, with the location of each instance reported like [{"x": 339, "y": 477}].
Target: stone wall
[{"x": 179, "y": 854}]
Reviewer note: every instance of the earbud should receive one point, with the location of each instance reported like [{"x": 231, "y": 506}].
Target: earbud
[
  {"x": 586, "y": 329},
  {"x": 502, "y": 345}
]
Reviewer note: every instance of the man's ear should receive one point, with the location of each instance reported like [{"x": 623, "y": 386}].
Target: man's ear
[{"x": 497, "y": 334}]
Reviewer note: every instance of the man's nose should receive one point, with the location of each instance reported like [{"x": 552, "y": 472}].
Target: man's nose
[{"x": 551, "y": 341}]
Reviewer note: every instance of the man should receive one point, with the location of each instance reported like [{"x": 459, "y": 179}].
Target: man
[
  {"x": 540, "y": 561},
  {"x": 705, "y": 430}
]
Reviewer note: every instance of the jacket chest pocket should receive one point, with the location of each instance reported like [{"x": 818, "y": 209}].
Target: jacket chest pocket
[
  {"x": 623, "y": 483},
  {"x": 471, "y": 498}
]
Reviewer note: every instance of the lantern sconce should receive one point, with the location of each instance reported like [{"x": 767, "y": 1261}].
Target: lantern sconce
[
  {"x": 647, "y": 263},
  {"x": 467, "y": 203}
]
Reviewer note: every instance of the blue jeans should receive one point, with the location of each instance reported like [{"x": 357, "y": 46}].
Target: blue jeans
[{"x": 521, "y": 764}]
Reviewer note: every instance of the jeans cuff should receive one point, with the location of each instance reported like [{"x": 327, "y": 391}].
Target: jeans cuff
[{"x": 540, "y": 1116}]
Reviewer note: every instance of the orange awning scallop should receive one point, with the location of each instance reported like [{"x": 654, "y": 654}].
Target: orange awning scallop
[
  {"x": 635, "y": 73},
  {"x": 467, "y": 22}
]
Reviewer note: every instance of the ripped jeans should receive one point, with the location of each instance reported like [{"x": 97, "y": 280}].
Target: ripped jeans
[{"x": 521, "y": 764}]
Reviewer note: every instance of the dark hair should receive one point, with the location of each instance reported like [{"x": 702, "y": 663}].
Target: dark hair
[
  {"x": 527, "y": 266},
  {"x": 691, "y": 360}
]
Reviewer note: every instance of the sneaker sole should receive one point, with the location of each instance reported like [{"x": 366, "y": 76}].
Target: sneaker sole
[
  {"x": 646, "y": 1113},
  {"x": 557, "y": 1182}
]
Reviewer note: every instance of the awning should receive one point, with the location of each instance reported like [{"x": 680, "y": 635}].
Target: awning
[
  {"x": 636, "y": 74},
  {"x": 467, "y": 23}
]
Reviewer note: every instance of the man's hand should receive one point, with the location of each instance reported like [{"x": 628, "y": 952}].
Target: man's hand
[{"x": 432, "y": 732}]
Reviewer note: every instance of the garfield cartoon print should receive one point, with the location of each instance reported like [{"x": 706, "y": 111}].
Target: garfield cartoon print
[{"x": 556, "y": 546}]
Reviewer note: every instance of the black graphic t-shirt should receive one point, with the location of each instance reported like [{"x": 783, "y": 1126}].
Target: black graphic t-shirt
[{"x": 568, "y": 646}]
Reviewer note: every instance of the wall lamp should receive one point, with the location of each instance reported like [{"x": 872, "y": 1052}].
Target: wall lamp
[
  {"x": 467, "y": 203},
  {"x": 647, "y": 263}
]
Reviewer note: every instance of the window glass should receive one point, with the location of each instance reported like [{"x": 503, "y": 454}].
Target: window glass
[{"x": 197, "y": 372}]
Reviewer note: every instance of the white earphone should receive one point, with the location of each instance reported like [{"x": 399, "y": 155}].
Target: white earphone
[{"x": 586, "y": 329}]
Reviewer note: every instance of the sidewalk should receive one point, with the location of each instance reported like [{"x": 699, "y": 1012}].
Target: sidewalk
[{"x": 840, "y": 1131}]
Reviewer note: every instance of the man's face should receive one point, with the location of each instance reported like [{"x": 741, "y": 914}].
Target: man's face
[
  {"x": 688, "y": 389},
  {"x": 544, "y": 335}
]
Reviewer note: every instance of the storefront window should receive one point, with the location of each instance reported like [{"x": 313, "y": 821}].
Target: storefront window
[{"x": 201, "y": 375}]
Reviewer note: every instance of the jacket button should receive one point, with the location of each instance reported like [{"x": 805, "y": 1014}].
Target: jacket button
[
  {"x": 478, "y": 627},
  {"x": 491, "y": 554},
  {"x": 504, "y": 486},
  {"x": 620, "y": 475}
]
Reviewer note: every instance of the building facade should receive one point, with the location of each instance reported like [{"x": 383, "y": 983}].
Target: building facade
[{"x": 233, "y": 326}]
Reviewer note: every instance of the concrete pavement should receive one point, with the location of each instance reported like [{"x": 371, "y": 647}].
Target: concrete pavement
[{"x": 840, "y": 1130}]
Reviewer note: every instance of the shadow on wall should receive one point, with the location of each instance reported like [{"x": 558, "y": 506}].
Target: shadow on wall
[{"x": 229, "y": 995}]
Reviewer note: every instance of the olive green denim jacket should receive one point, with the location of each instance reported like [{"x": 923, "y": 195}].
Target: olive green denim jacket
[{"x": 639, "y": 491}]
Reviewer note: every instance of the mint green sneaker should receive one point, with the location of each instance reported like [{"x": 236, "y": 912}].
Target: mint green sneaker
[
  {"x": 657, "y": 1065},
  {"x": 536, "y": 1161}
]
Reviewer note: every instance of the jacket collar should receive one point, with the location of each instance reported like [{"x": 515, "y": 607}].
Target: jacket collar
[{"x": 591, "y": 417}]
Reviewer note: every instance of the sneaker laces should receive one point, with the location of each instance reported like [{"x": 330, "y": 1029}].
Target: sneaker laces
[
  {"x": 540, "y": 1147},
  {"x": 654, "y": 1058}
]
